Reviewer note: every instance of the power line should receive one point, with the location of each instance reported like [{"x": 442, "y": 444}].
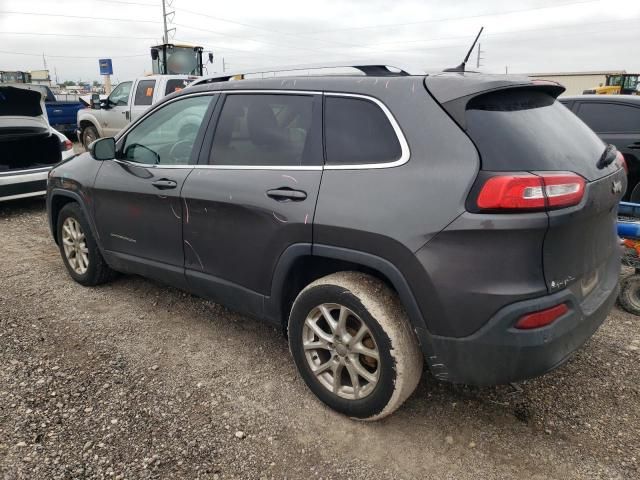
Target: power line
[
  {"x": 401, "y": 42},
  {"x": 82, "y": 17},
  {"x": 71, "y": 56},
  {"x": 128, "y": 3},
  {"x": 448, "y": 19},
  {"x": 272, "y": 44},
  {"x": 37, "y": 34},
  {"x": 264, "y": 29}
]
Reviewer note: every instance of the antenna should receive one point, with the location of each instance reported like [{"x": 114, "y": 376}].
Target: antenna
[{"x": 460, "y": 68}]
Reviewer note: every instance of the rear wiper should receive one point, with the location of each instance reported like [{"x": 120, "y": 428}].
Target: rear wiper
[{"x": 607, "y": 157}]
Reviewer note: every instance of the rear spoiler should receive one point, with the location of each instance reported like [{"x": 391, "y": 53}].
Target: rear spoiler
[{"x": 454, "y": 91}]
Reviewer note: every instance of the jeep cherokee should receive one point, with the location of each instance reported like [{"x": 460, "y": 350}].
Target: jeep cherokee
[{"x": 381, "y": 221}]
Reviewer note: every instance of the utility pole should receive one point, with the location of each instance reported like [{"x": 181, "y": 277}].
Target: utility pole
[
  {"x": 480, "y": 52},
  {"x": 223, "y": 65},
  {"x": 44, "y": 61},
  {"x": 166, "y": 3}
]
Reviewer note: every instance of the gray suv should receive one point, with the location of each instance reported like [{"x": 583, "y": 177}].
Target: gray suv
[{"x": 381, "y": 220}]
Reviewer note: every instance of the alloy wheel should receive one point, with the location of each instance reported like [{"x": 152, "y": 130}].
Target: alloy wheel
[
  {"x": 75, "y": 246},
  {"x": 341, "y": 351}
]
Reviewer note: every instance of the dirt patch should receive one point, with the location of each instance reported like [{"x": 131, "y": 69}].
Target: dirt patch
[{"x": 137, "y": 380}]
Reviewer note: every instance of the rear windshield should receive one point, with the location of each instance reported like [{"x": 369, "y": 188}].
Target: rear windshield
[{"x": 523, "y": 130}]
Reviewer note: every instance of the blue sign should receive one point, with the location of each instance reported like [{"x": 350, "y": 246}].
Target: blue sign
[{"x": 106, "y": 68}]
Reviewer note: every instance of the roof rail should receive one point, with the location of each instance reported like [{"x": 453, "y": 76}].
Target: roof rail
[{"x": 381, "y": 69}]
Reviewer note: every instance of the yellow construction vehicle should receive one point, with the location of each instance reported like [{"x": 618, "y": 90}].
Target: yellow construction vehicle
[{"x": 618, "y": 84}]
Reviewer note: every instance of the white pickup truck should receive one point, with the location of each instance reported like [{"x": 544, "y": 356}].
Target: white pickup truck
[{"x": 125, "y": 104}]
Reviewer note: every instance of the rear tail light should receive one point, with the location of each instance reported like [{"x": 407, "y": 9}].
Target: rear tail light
[
  {"x": 66, "y": 145},
  {"x": 531, "y": 192},
  {"x": 541, "y": 318}
]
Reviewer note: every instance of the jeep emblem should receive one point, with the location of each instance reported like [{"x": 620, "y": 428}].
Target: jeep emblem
[{"x": 616, "y": 187}]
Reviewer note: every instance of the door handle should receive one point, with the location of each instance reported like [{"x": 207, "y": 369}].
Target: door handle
[
  {"x": 286, "y": 194},
  {"x": 164, "y": 184},
  {"x": 634, "y": 146}
]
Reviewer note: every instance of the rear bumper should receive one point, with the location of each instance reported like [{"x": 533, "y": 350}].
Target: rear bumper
[
  {"x": 499, "y": 353},
  {"x": 24, "y": 183}
]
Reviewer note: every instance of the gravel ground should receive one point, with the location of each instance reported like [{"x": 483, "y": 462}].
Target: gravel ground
[{"x": 137, "y": 380}]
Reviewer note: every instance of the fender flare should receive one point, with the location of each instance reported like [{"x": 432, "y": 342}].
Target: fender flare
[
  {"x": 390, "y": 271},
  {"x": 88, "y": 117},
  {"x": 59, "y": 192}
]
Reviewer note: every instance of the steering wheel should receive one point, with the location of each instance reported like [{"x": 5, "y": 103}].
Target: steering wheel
[{"x": 181, "y": 151}]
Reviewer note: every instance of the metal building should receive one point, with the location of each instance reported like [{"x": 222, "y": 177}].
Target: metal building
[{"x": 577, "y": 82}]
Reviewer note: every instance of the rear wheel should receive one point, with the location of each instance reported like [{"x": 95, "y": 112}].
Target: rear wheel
[
  {"x": 353, "y": 346},
  {"x": 89, "y": 135},
  {"x": 629, "y": 297},
  {"x": 78, "y": 248}
]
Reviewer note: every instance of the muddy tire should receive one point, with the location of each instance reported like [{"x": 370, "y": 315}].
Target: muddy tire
[
  {"x": 89, "y": 135},
  {"x": 78, "y": 248},
  {"x": 353, "y": 345},
  {"x": 629, "y": 297}
]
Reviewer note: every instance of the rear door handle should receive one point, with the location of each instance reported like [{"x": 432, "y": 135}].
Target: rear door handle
[
  {"x": 286, "y": 194},
  {"x": 164, "y": 184},
  {"x": 634, "y": 146}
]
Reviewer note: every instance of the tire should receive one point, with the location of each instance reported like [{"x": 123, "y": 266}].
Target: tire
[
  {"x": 629, "y": 296},
  {"x": 72, "y": 221},
  {"x": 89, "y": 135},
  {"x": 635, "y": 194},
  {"x": 363, "y": 301}
]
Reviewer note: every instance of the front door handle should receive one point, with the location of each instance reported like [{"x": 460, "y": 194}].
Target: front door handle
[
  {"x": 286, "y": 194},
  {"x": 634, "y": 146},
  {"x": 164, "y": 184}
]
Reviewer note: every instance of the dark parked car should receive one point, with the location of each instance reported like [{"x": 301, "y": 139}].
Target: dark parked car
[
  {"x": 464, "y": 219},
  {"x": 616, "y": 119}
]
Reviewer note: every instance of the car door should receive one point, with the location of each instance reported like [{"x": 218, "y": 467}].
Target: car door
[
  {"x": 137, "y": 206},
  {"x": 142, "y": 98},
  {"x": 617, "y": 123},
  {"x": 252, "y": 195},
  {"x": 115, "y": 115}
]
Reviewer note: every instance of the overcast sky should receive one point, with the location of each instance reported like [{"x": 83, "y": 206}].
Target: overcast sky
[{"x": 526, "y": 36}]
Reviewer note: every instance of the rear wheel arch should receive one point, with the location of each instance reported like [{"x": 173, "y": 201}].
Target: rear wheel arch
[{"x": 299, "y": 266}]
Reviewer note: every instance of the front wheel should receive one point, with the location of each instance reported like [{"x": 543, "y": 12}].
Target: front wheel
[
  {"x": 89, "y": 135},
  {"x": 78, "y": 248},
  {"x": 353, "y": 345}
]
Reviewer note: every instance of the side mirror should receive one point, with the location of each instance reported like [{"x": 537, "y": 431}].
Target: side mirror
[
  {"x": 210, "y": 57},
  {"x": 103, "y": 148},
  {"x": 95, "y": 101}
]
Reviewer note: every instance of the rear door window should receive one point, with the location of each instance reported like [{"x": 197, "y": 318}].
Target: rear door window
[
  {"x": 144, "y": 92},
  {"x": 175, "y": 85},
  {"x": 268, "y": 130},
  {"x": 527, "y": 129},
  {"x": 357, "y": 131},
  {"x": 604, "y": 117}
]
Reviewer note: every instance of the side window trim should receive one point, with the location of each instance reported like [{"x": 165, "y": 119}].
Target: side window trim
[
  {"x": 198, "y": 142},
  {"x": 203, "y": 160}
]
